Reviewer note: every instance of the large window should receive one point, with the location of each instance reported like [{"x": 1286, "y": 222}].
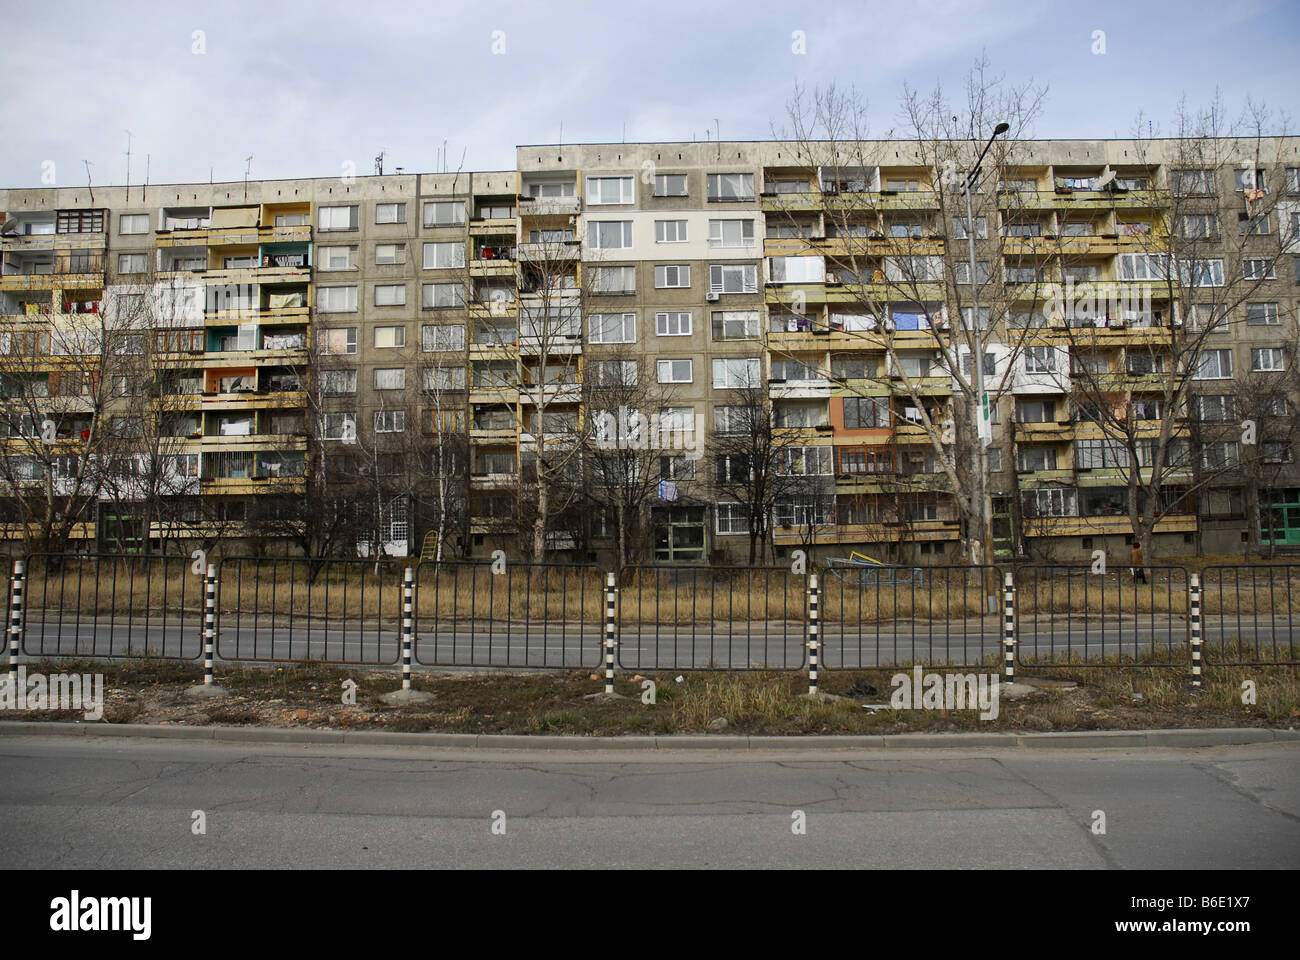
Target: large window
[
  {"x": 796, "y": 269},
  {"x": 731, "y": 233},
  {"x": 440, "y": 296},
  {"x": 735, "y": 324},
  {"x": 390, "y": 421},
  {"x": 731, "y": 518},
  {"x": 443, "y": 378},
  {"x": 336, "y": 299},
  {"x": 340, "y": 426},
  {"x": 1251, "y": 269},
  {"x": 611, "y": 328},
  {"x": 390, "y": 378},
  {"x": 865, "y": 413},
  {"x": 390, "y": 294},
  {"x": 1140, "y": 266},
  {"x": 1267, "y": 359},
  {"x": 673, "y": 324},
  {"x": 670, "y": 231},
  {"x": 1051, "y": 502},
  {"x": 338, "y": 218},
  {"x": 436, "y": 338},
  {"x": 731, "y": 421},
  {"x": 1261, "y": 313},
  {"x": 609, "y": 234},
  {"x": 735, "y": 374},
  {"x": 613, "y": 280},
  {"x": 441, "y": 256},
  {"x": 444, "y": 214},
  {"x": 390, "y": 337},
  {"x": 670, "y": 185},
  {"x": 672, "y": 276},
  {"x": 615, "y": 373},
  {"x": 1187, "y": 183},
  {"x": 335, "y": 258},
  {"x": 675, "y": 371},
  {"x": 723, "y": 187},
  {"x": 804, "y": 461},
  {"x": 1100, "y": 454},
  {"x": 390, "y": 213},
  {"x": 134, "y": 223},
  {"x": 733, "y": 278},
  {"x": 1214, "y": 365},
  {"x": 336, "y": 383},
  {"x": 1202, "y": 273},
  {"x": 610, "y": 190},
  {"x": 338, "y": 341},
  {"x": 1040, "y": 360}
]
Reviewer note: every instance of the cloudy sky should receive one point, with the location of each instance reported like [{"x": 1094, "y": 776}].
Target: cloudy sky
[{"x": 305, "y": 87}]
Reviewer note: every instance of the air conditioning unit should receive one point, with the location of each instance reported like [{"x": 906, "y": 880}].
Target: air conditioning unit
[{"x": 711, "y": 297}]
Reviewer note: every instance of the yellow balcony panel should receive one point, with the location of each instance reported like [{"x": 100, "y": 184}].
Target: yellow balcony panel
[
  {"x": 495, "y": 309},
  {"x": 860, "y": 483},
  {"x": 1100, "y": 526},
  {"x": 1045, "y": 478},
  {"x": 492, "y": 268},
  {"x": 924, "y": 386},
  {"x": 243, "y": 358},
  {"x": 245, "y": 486},
  {"x": 51, "y": 281},
  {"x": 801, "y": 340},
  {"x": 493, "y": 436},
  {"x": 860, "y": 387},
  {"x": 17, "y": 531},
  {"x": 284, "y": 399},
  {"x": 802, "y": 433},
  {"x": 493, "y": 481},
  {"x": 494, "y": 225},
  {"x": 1045, "y": 432},
  {"x": 549, "y": 207},
  {"x": 493, "y": 395},
  {"x": 253, "y": 443}
]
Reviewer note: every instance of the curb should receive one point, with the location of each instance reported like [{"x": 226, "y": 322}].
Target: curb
[{"x": 1099, "y": 739}]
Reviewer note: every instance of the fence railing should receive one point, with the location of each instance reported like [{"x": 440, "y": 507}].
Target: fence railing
[
  {"x": 495, "y": 614},
  {"x": 520, "y": 615},
  {"x": 1068, "y": 614},
  {"x": 692, "y": 617}
]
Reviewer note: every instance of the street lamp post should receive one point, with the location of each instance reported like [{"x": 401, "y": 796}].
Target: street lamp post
[{"x": 980, "y": 399}]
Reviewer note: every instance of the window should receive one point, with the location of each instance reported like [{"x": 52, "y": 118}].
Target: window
[
  {"x": 443, "y": 214},
  {"x": 1248, "y": 179},
  {"x": 995, "y": 459},
  {"x": 670, "y": 185},
  {"x": 609, "y": 234},
  {"x": 1036, "y": 458},
  {"x": 133, "y": 223},
  {"x": 335, "y": 258},
  {"x": 335, "y": 383},
  {"x": 613, "y": 280},
  {"x": 852, "y": 366},
  {"x": 733, "y": 278},
  {"x": 731, "y": 421},
  {"x": 555, "y": 189},
  {"x": 79, "y": 221},
  {"x": 1024, "y": 274},
  {"x": 338, "y": 218},
  {"x": 390, "y": 337},
  {"x": 1040, "y": 360},
  {"x": 1144, "y": 363},
  {"x": 440, "y": 338},
  {"x": 735, "y": 324},
  {"x": 615, "y": 373},
  {"x": 1051, "y": 502},
  {"x": 341, "y": 426},
  {"x": 866, "y": 413},
  {"x": 386, "y": 253},
  {"x": 914, "y": 269},
  {"x": 959, "y": 228},
  {"x": 1202, "y": 273},
  {"x": 731, "y": 518},
  {"x": 442, "y": 296},
  {"x": 1267, "y": 359},
  {"x": 735, "y": 374},
  {"x": 1251, "y": 269},
  {"x": 723, "y": 187},
  {"x": 1261, "y": 313},
  {"x": 132, "y": 262},
  {"x": 672, "y": 276},
  {"x": 670, "y": 231},
  {"x": 676, "y": 468},
  {"x": 611, "y": 328},
  {"x": 609, "y": 190},
  {"x": 675, "y": 371},
  {"x": 1252, "y": 226},
  {"x": 443, "y": 378},
  {"x": 1219, "y": 456},
  {"x": 1036, "y": 411},
  {"x": 1212, "y": 318},
  {"x": 338, "y": 341},
  {"x": 796, "y": 269},
  {"x": 1100, "y": 454},
  {"x": 390, "y": 294},
  {"x": 1140, "y": 266},
  {"x": 1198, "y": 226},
  {"x": 673, "y": 324},
  {"x": 390, "y": 421},
  {"x": 390, "y": 378},
  {"x": 1076, "y": 228},
  {"x": 390, "y": 213},
  {"x": 1217, "y": 407},
  {"x": 336, "y": 299},
  {"x": 1274, "y": 406},
  {"x": 990, "y": 364},
  {"x": 443, "y": 256},
  {"x": 1187, "y": 183},
  {"x": 961, "y": 271},
  {"x": 1214, "y": 365},
  {"x": 731, "y": 233}
]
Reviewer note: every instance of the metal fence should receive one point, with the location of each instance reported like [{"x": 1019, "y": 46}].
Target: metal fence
[
  {"x": 1250, "y": 614},
  {"x": 111, "y": 606},
  {"x": 1070, "y": 614},
  {"x": 729, "y": 618},
  {"x": 327, "y": 611},
  {"x": 549, "y": 615},
  {"x": 939, "y": 615},
  {"x": 496, "y": 614}
]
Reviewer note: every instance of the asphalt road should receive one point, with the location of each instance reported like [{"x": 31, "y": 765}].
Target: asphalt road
[
  {"x": 114, "y": 803},
  {"x": 666, "y": 647}
]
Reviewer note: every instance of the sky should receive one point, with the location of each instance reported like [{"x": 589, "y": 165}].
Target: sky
[{"x": 306, "y": 88}]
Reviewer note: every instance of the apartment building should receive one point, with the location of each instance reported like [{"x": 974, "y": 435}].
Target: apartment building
[{"x": 386, "y": 363}]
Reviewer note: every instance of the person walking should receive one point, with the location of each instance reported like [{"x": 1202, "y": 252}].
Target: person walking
[{"x": 1139, "y": 572}]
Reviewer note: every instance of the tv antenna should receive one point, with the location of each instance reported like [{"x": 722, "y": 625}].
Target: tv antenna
[
  {"x": 88, "y": 182},
  {"x": 129, "y": 135},
  {"x": 379, "y": 164},
  {"x": 248, "y": 169}
]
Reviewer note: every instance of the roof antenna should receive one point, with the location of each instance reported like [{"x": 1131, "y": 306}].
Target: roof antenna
[
  {"x": 144, "y": 195},
  {"x": 379, "y": 163},
  {"x": 444, "y": 156},
  {"x": 88, "y": 183},
  {"x": 247, "y": 170},
  {"x": 129, "y": 135},
  {"x": 719, "y": 130}
]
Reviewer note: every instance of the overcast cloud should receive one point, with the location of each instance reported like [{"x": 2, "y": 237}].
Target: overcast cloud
[{"x": 302, "y": 88}]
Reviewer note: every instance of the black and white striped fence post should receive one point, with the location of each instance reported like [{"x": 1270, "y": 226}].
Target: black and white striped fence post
[
  {"x": 408, "y": 625},
  {"x": 15, "y": 619},
  {"x": 1009, "y": 627},
  {"x": 610, "y": 600},
  {"x": 209, "y": 623},
  {"x": 1194, "y": 586},
  {"x": 814, "y": 635}
]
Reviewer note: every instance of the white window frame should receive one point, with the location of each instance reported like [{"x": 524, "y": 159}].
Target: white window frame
[
  {"x": 678, "y": 273},
  {"x": 670, "y": 231},
  {"x": 1219, "y": 374},
  {"x": 435, "y": 337},
  {"x": 601, "y": 324},
  {"x": 719, "y": 274},
  {"x": 398, "y": 332},
  {"x": 673, "y": 324},
  {"x": 396, "y": 377},
  {"x": 331, "y": 216},
  {"x": 390, "y": 421},
  {"x": 326, "y": 294},
  {"x": 393, "y": 295},
  {"x": 723, "y": 378},
  {"x": 669, "y": 371},
  {"x": 720, "y": 228},
  {"x": 397, "y": 211},
  {"x": 1267, "y": 360},
  {"x": 436, "y": 255},
  {"x": 597, "y": 189},
  {"x": 664, "y": 180},
  {"x": 349, "y": 337},
  {"x": 595, "y": 229},
  {"x": 130, "y": 224}
]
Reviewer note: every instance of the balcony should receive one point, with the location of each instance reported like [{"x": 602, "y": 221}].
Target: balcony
[
  {"x": 1076, "y": 200},
  {"x": 493, "y": 481},
  {"x": 1101, "y": 526},
  {"x": 206, "y": 235},
  {"x": 818, "y": 388},
  {"x": 549, "y": 206}
]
